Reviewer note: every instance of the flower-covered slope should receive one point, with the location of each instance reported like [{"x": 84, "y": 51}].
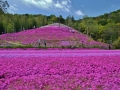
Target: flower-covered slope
[{"x": 53, "y": 34}]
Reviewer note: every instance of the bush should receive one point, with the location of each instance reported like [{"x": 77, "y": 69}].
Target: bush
[
  {"x": 1, "y": 46},
  {"x": 63, "y": 47},
  {"x": 72, "y": 47},
  {"x": 28, "y": 46},
  {"x": 69, "y": 46},
  {"x": 95, "y": 46},
  {"x": 22, "y": 46},
  {"x": 116, "y": 44},
  {"x": 42, "y": 47},
  {"x": 17, "y": 46},
  {"x": 7, "y": 47}
]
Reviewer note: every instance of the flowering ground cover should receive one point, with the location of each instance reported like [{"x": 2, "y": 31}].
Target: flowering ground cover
[
  {"x": 59, "y": 69},
  {"x": 53, "y": 35}
]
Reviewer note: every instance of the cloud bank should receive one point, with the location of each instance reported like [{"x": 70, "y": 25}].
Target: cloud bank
[{"x": 61, "y": 5}]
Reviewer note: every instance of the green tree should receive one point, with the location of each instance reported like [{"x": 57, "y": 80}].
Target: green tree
[
  {"x": 110, "y": 32},
  {"x": 1, "y": 28},
  {"x": 116, "y": 44},
  {"x": 5, "y": 23},
  {"x": 10, "y": 28},
  {"x": 69, "y": 21},
  {"x": 102, "y": 21}
]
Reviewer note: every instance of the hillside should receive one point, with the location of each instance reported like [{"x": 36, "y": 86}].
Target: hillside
[
  {"x": 54, "y": 35},
  {"x": 104, "y": 28}
]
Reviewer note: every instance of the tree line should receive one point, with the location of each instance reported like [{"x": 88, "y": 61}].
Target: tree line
[{"x": 104, "y": 28}]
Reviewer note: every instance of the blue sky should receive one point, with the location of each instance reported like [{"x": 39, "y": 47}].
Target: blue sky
[{"x": 77, "y": 8}]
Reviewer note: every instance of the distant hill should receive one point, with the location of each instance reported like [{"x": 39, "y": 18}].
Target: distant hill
[
  {"x": 112, "y": 17},
  {"x": 105, "y": 28},
  {"x": 54, "y": 35}
]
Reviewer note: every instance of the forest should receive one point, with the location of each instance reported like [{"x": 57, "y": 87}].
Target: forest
[{"x": 103, "y": 28}]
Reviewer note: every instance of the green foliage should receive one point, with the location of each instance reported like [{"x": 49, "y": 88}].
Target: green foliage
[
  {"x": 102, "y": 22},
  {"x": 62, "y": 47},
  {"x": 1, "y": 28},
  {"x": 69, "y": 21},
  {"x": 6, "y": 46},
  {"x": 69, "y": 47},
  {"x": 10, "y": 28},
  {"x": 17, "y": 25},
  {"x": 1, "y": 12},
  {"x": 42, "y": 47},
  {"x": 116, "y": 44},
  {"x": 17, "y": 46}
]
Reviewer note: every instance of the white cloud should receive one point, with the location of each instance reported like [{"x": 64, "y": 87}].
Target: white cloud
[
  {"x": 62, "y": 5},
  {"x": 64, "y": 2},
  {"x": 12, "y": 9},
  {"x": 45, "y": 4},
  {"x": 79, "y": 13},
  {"x": 66, "y": 9},
  {"x": 49, "y": 1},
  {"x": 15, "y": 5},
  {"x": 58, "y": 5}
]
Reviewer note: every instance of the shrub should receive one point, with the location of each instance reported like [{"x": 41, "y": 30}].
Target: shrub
[
  {"x": 95, "y": 46},
  {"x": 42, "y": 47},
  {"x": 116, "y": 44},
  {"x": 63, "y": 47},
  {"x": 7, "y": 46},
  {"x": 28, "y": 46},
  {"x": 72, "y": 47}
]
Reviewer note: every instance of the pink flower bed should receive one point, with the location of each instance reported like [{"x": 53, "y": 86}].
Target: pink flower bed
[
  {"x": 55, "y": 36},
  {"x": 59, "y": 69}
]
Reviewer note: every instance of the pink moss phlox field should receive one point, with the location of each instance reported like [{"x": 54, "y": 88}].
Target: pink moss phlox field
[
  {"x": 62, "y": 34},
  {"x": 59, "y": 69}
]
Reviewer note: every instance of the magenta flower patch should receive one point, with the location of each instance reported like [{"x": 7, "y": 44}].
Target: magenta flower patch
[{"x": 59, "y": 69}]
